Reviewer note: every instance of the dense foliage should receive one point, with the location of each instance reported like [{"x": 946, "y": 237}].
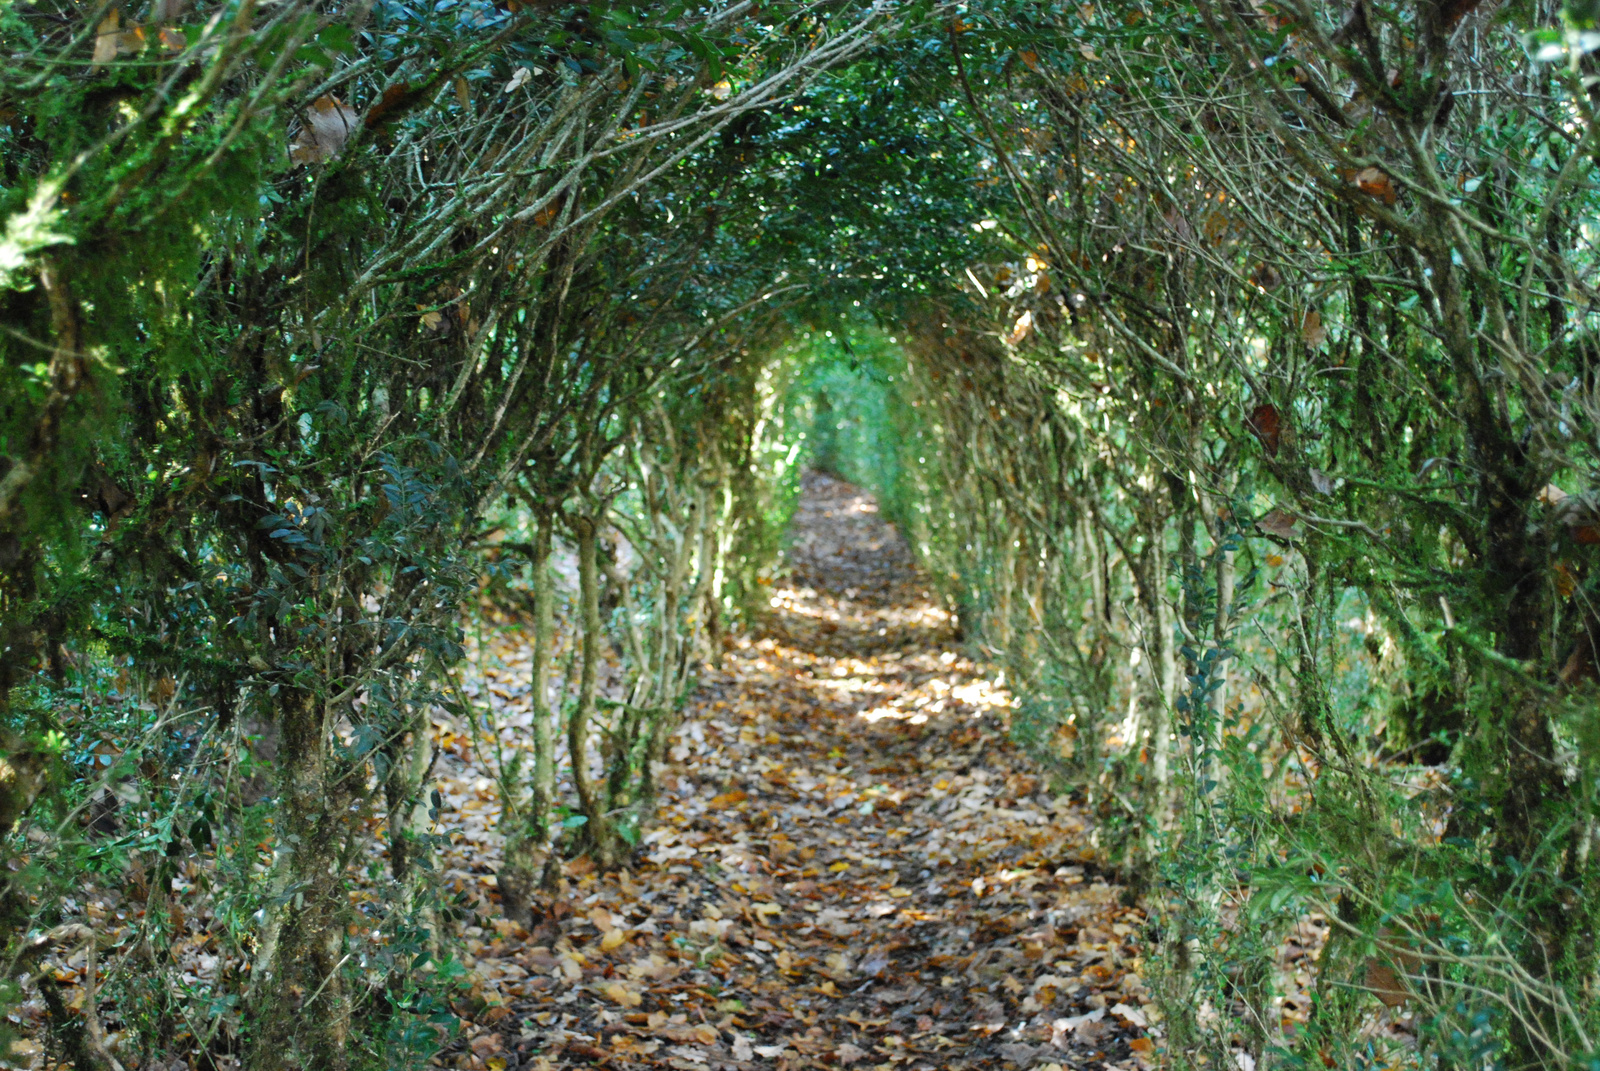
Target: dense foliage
[
  {"x": 299, "y": 299},
  {"x": 1264, "y": 461},
  {"x": 1232, "y": 366}
]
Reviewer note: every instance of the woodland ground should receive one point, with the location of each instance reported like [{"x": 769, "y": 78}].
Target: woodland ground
[{"x": 851, "y": 865}]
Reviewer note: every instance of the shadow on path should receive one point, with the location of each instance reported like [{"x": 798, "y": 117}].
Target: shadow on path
[{"x": 852, "y": 865}]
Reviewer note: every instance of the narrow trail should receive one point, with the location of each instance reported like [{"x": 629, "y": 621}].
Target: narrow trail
[{"x": 852, "y": 866}]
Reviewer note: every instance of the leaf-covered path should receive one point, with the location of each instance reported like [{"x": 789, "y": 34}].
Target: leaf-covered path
[{"x": 852, "y": 866}]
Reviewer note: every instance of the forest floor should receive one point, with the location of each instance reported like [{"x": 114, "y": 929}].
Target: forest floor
[{"x": 851, "y": 864}]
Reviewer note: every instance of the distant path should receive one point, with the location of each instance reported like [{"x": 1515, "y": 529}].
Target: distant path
[{"x": 852, "y": 865}]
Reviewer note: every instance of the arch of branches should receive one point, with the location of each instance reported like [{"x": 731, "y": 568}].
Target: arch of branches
[{"x": 1253, "y": 344}]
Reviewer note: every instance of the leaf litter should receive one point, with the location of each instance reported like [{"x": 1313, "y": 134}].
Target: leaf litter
[{"x": 850, "y": 866}]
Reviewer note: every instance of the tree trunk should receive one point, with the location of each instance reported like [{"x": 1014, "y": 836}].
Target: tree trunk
[
  {"x": 596, "y": 832},
  {"x": 301, "y": 1013}
]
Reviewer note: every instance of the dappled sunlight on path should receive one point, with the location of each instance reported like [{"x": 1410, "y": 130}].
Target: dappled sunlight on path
[{"x": 851, "y": 866}]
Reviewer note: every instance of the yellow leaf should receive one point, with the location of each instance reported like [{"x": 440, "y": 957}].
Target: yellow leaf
[
  {"x": 839, "y": 867},
  {"x": 612, "y": 940}
]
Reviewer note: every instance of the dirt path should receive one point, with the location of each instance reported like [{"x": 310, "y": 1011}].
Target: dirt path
[{"x": 851, "y": 867}]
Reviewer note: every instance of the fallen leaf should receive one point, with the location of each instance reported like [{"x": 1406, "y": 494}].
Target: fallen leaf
[
  {"x": 848, "y": 1054},
  {"x": 1385, "y": 984},
  {"x": 1373, "y": 182},
  {"x": 1265, "y": 424},
  {"x": 1061, "y": 1029},
  {"x": 131, "y": 42},
  {"x": 1129, "y": 1014},
  {"x": 519, "y": 78},
  {"x": 1021, "y": 329},
  {"x": 621, "y": 994},
  {"x": 1311, "y": 329},
  {"x": 105, "y": 38},
  {"x": 328, "y": 124},
  {"x": 612, "y": 940},
  {"x": 1280, "y": 524}
]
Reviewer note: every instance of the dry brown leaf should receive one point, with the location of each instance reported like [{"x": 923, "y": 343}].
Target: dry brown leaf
[
  {"x": 1373, "y": 182},
  {"x": 1280, "y": 524},
  {"x": 1311, "y": 329},
  {"x": 328, "y": 124},
  {"x": 105, "y": 38},
  {"x": 1265, "y": 424},
  {"x": 1385, "y": 983}
]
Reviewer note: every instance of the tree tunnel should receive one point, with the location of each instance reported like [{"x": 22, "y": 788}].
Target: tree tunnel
[{"x": 1207, "y": 391}]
